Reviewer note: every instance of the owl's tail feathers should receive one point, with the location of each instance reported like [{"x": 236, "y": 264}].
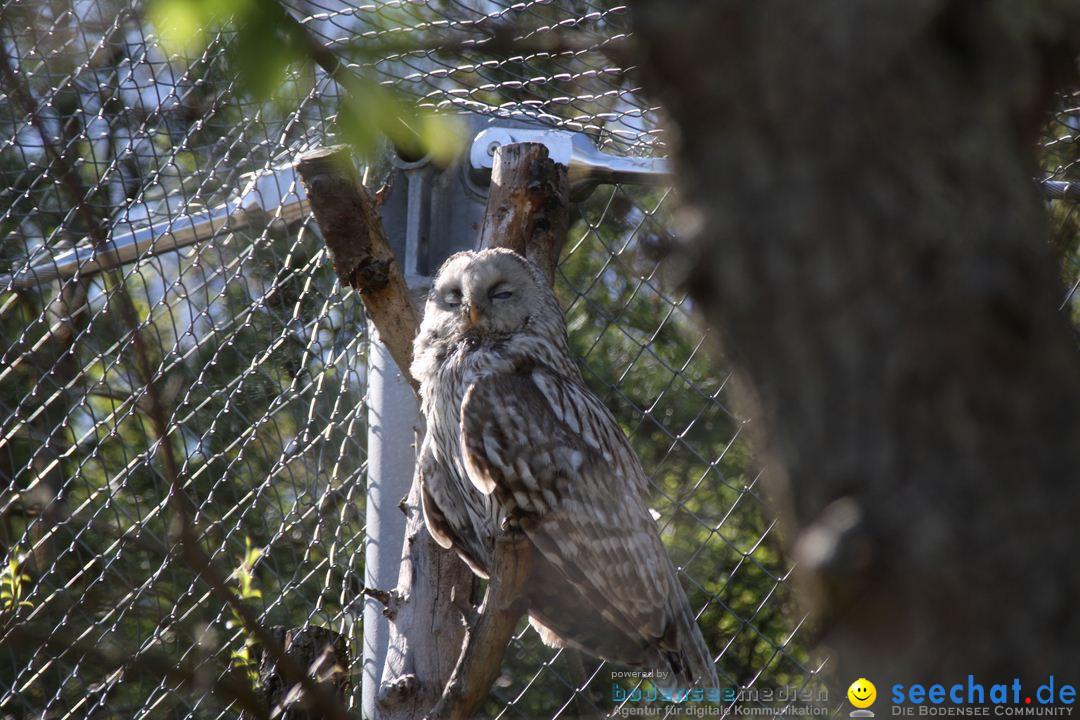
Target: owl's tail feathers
[{"x": 683, "y": 654}]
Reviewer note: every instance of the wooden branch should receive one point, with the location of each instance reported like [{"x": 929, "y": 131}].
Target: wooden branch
[
  {"x": 505, "y": 602},
  {"x": 425, "y": 630},
  {"x": 361, "y": 254},
  {"x": 528, "y": 212},
  {"x": 187, "y": 674},
  {"x": 528, "y": 208}
]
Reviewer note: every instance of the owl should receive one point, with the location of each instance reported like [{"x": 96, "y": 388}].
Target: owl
[{"x": 515, "y": 439}]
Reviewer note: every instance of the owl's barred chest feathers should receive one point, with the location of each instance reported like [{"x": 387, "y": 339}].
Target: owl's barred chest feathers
[{"x": 457, "y": 367}]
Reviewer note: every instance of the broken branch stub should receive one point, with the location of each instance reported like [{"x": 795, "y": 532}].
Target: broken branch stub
[{"x": 528, "y": 208}]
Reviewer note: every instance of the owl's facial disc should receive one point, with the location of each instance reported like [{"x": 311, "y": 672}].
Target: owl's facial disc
[
  {"x": 488, "y": 296},
  {"x": 491, "y": 306}
]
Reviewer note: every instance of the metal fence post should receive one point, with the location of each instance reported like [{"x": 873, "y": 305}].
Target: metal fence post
[
  {"x": 392, "y": 420},
  {"x": 428, "y": 213}
]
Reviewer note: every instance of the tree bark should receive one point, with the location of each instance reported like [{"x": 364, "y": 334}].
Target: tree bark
[
  {"x": 528, "y": 206},
  {"x": 862, "y": 228},
  {"x": 362, "y": 256},
  {"x": 425, "y": 629},
  {"x": 490, "y": 630}
]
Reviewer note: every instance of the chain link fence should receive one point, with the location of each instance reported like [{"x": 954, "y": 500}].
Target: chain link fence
[
  {"x": 257, "y": 357},
  {"x": 1061, "y": 163}
]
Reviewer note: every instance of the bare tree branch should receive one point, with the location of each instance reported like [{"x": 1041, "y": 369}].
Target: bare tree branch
[
  {"x": 486, "y": 639},
  {"x": 361, "y": 253},
  {"x": 425, "y": 629},
  {"x": 528, "y": 208},
  {"x": 232, "y": 687}
]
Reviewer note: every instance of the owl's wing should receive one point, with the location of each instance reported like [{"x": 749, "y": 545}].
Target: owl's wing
[
  {"x": 558, "y": 463},
  {"x": 450, "y": 516}
]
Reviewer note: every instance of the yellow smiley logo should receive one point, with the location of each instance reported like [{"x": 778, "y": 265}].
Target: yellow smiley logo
[{"x": 862, "y": 693}]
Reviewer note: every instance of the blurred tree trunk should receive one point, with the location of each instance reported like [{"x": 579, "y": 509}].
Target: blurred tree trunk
[{"x": 862, "y": 228}]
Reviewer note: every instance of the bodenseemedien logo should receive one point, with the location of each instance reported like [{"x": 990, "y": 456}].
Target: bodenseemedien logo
[{"x": 862, "y": 695}]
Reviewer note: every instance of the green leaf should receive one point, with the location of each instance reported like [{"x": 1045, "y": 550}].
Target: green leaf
[{"x": 182, "y": 25}]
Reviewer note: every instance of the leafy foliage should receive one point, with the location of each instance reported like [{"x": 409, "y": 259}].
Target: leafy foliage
[
  {"x": 13, "y": 586},
  {"x": 243, "y": 659}
]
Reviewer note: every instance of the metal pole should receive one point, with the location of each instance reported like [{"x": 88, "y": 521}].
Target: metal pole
[
  {"x": 393, "y": 418},
  {"x": 393, "y": 421}
]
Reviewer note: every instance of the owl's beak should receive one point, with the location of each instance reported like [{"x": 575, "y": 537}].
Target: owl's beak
[{"x": 474, "y": 316}]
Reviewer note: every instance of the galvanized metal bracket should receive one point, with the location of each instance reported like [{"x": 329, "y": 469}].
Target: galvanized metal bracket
[{"x": 586, "y": 166}]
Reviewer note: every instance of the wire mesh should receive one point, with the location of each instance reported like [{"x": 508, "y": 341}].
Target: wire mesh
[
  {"x": 1061, "y": 161},
  {"x": 259, "y": 357}
]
